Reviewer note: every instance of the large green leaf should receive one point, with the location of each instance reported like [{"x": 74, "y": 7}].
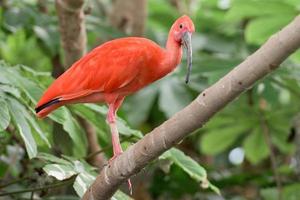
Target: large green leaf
[
  {"x": 13, "y": 76},
  {"x": 173, "y": 96},
  {"x": 4, "y": 115},
  {"x": 255, "y": 146},
  {"x": 98, "y": 120},
  {"x": 119, "y": 195},
  {"x": 82, "y": 182},
  {"x": 17, "y": 113},
  {"x": 255, "y": 34},
  {"x": 36, "y": 127},
  {"x": 138, "y": 114},
  {"x": 246, "y": 9},
  {"x": 71, "y": 126},
  {"x": 289, "y": 192},
  {"x": 190, "y": 166},
  {"x": 10, "y": 90},
  {"x": 51, "y": 158},
  {"x": 18, "y": 44},
  {"x": 217, "y": 140},
  {"x": 161, "y": 10},
  {"x": 60, "y": 171},
  {"x": 66, "y": 167}
]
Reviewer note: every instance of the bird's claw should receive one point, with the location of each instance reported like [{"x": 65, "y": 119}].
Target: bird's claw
[{"x": 114, "y": 157}]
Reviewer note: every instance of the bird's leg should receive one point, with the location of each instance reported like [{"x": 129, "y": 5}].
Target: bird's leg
[{"x": 111, "y": 119}]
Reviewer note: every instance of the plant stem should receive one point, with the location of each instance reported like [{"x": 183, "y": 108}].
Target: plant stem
[
  {"x": 266, "y": 132},
  {"x": 13, "y": 182},
  {"x": 57, "y": 184}
]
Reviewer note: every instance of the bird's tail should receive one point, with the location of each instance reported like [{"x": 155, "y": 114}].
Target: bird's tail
[{"x": 44, "y": 109}]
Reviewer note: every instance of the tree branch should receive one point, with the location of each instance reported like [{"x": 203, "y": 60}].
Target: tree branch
[
  {"x": 72, "y": 29},
  {"x": 126, "y": 17},
  {"x": 54, "y": 185},
  {"x": 73, "y": 40},
  {"x": 213, "y": 99}
]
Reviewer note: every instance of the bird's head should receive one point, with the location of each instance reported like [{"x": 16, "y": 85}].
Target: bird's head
[{"x": 182, "y": 31}]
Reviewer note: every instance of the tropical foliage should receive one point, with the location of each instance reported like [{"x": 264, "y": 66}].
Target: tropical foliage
[{"x": 245, "y": 152}]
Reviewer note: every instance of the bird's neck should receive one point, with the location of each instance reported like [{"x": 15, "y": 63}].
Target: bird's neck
[{"x": 173, "y": 54}]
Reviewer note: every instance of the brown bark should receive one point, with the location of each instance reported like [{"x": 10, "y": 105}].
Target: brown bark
[
  {"x": 195, "y": 115},
  {"x": 129, "y": 16},
  {"x": 73, "y": 40},
  {"x": 181, "y": 6},
  {"x": 72, "y": 29}
]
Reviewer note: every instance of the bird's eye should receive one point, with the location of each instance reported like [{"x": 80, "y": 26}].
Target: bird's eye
[{"x": 180, "y": 26}]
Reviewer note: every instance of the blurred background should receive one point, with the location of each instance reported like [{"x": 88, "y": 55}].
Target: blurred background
[{"x": 250, "y": 150}]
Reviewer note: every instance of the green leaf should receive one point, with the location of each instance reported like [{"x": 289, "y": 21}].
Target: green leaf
[
  {"x": 119, "y": 195},
  {"x": 19, "y": 44},
  {"x": 10, "y": 90},
  {"x": 60, "y": 171},
  {"x": 289, "y": 192},
  {"x": 36, "y": 127},
  {"x": 52, "y": 158},
  {"x": 30, "y": 88},
  {"x": 173, "y": 96},
  {"x": 4, "y": 115},
  {"x": 17, "y": 112},
  {"x": 138, "y": 114},
  {"x": 269, "y": 193},
  {"x": 82, "y": 183},
  {"x": 255, "y": 146},
  {"x": 66, "y": 167},
  {"x": 255, "y": 34},
  {"x": 190, "y": 166},
  {"x": 217, "y": 140},
  {"x": 241, "y": 9},
  {"x": 71, "y": 126},
  {"x": 161, "y": 10},
  {"x": 96, "y": 119}
]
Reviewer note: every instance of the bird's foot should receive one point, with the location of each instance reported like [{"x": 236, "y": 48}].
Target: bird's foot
[{"x": 116, "y": 154}]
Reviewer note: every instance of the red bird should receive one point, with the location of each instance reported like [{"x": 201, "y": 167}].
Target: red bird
[{"x": 116, "y": 69}]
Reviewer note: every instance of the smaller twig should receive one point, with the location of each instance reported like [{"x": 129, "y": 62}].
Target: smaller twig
[
  {"x": 57, "y": 184},
  {"x": 266, "y": 132},
  {"x": 13, "y": 182},
  {"x": 31, "y": 196}
]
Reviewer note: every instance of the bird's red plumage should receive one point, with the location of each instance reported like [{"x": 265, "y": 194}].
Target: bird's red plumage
[
  {"x": 120, "y": 66},
  {"x": 115, "y": 69}
]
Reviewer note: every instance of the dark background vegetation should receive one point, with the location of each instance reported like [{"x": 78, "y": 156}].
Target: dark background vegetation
[{"x": 247, "y": 151}]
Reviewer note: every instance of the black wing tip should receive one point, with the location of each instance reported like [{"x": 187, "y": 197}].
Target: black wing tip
[{"x": 45, "y": 105}]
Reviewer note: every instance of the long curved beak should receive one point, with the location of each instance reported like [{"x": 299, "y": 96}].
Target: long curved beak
[{"x": 187, "y": 44}]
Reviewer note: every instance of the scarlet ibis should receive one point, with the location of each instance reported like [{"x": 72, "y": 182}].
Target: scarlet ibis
[{"x": 116, "y": 69}]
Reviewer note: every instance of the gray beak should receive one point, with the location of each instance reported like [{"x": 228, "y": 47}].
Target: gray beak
[{"x": 187, "y": 44}]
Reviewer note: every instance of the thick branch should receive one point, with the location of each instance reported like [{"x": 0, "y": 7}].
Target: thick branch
[
  {"x": 213, "y": 99},
  {"x": 72, "y": 29},
  {"x": 126, "y": 17},
  {"x": 73, "y": 40}
]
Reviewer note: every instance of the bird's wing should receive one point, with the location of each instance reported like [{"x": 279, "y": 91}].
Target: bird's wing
[{"x": 105, "y": 69}]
